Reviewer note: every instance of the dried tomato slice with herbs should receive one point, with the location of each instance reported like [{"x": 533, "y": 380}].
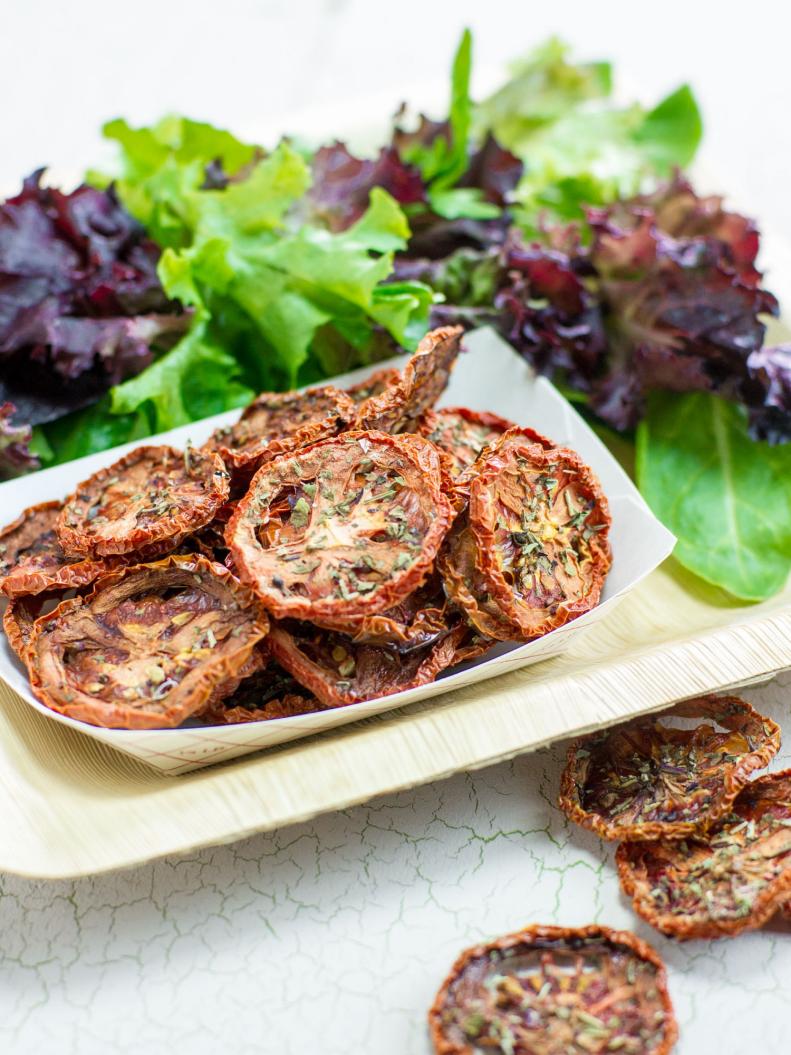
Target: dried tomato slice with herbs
[
  {"x": 32, "y": 559},
  {"x": 418, "y": 620},
  {"x": 555, "y": 991},
  {"x": 540, "y": 523},
  {"x": 150, "y": 645},
  {"x": 339, "y": 672},
  {"x": 268, "y": 694},
  {"x": 150, "y": 499},
  {"x": 648, "y": 780},
  {"x": 277, "y": 423},
  {"x": 22, "y": 612},
  {"x": 348, "y": 527},
  {"x": 731, "y": 879},
  {"x": 463, "y": 433},
  {"x": 465, "y": 586},
  {"x": 417, "y": 387},
  {"x": 373, "y": 385}
]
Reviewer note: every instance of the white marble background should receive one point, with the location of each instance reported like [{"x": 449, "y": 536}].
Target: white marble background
[{"x": 331, "y": 937}]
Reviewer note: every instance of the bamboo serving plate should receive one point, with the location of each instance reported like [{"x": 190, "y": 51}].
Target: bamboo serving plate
[{"x": 77, "y": 800}]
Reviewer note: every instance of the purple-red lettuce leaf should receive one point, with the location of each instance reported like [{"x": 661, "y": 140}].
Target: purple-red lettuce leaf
[
  {"x": 15, "y": 454},
  {"x": 81, "y": 305},
  {"x": 767, "y": 392}
]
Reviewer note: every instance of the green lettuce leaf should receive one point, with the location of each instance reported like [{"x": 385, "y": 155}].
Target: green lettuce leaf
[
  {"x": 275, "y": 298},
  {"x": 578, "y": 148},
  {"x": 725, "y": 496}
]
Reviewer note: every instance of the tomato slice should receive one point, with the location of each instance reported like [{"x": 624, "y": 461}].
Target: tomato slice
[
  {"x": 418, "y": 620},
  {"x": 21, "y": 614},
  {"x": 555, "y": 991},
  {"x": 417, "y": 388},
  {"x": 647, "y": 779},
  {"x": 268, "y": 694},
  {"x": 373, "y": 385},
  {"x": 277, "y": 423},
  {"x": 348, "y": 527},
  {"x": 151, "y": 498},
  {"x": 732, "y": 878},
  {"x": 463, "y": 433},
  {"x": 540, "y": 523},
  {"x": 466, "y": 587},
  {"x": 150, "y": 645},
  {"x": 32, "y": 559},
  {"x": 339, "y": 672}
]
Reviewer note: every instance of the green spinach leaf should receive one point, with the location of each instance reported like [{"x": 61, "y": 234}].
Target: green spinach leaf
[{"x": 726, "y": 497}]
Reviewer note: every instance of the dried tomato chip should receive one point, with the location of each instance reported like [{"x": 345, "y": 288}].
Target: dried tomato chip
[
  {"x": 648, "y": 780},
  {"x": 269, "y": 693},
  {"x": 465, "y": 586},
  {"x": 347, "y": 527},
  {"x": 418, "y": 620},
  {"x": 148, "y": 647},
  {"x": 417, "y": 387},
  {"x": 277, "y": 423},
  {"x": 463, "y": 433},
  {"x": 151, "y": 498},
  {"x": 731, "y": 879},
  {"x": 540, "y": 523},
  {"x": 32, "y": 559},
  {"x": 339, "y": 672},
  {"x": 555, "y": 991},
  {"x": 373, "y": 385},
  {"x": 22, "y": 612}
]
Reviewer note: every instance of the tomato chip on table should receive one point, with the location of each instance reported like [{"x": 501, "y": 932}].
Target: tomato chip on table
[
  {"x": 648, "y": 780},
  {"x": 417, "y": 388},
  {"x": 348, "y": 527},
  {"x": 540, "y": 523},
  {"x": 339, "y": 672},
  {"x": 32, "y": 559},
  {"x": 463, "y": 433},
  {"x": 555, "y": 991},
  {"x": 150, "y": 499},
  {"x": 277, "y": 423},
  {"x": 731, "y": 879},
  {"x": 148, "y": 647},
  {"x": 268, "y": 694}
]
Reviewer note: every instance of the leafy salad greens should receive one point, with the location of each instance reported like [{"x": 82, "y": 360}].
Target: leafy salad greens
[{"x": 206, "y": 269}]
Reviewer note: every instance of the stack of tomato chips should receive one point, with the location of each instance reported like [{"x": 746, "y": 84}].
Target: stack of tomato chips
[{"x": 330, "y": 547}]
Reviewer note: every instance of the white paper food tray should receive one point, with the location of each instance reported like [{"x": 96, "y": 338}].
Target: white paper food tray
[{"x": 489, "y": 376}]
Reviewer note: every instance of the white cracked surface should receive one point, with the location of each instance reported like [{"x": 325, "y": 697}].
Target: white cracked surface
[{"x": 333, "y": 936}]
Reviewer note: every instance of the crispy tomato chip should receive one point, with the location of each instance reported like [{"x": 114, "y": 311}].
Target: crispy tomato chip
[
  {"x": 648, "y": 780},
  {"x": 148, "y": 647},
  {"x": 540, "y": 523},
  {"x": 731, "y": 879},
  {"x": 417, "y": 388},
  {"x": 373, "y": 385},
  {"x": 150, "y": 499},
  {"x": 555, "y": 991},
  {"x": 463, "y": 433},
  {"x": 32, "y": 559},
  {"x": 418, "y": 620},
  {"x": 277, "y": 423},
  {"x": 268, "y": 694},
  {"x": 21, "y": 614},
  {"x": 339, "y": 672},
  {"x": 465, "y": 585},
  {"x": 348, "y": 527}
]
